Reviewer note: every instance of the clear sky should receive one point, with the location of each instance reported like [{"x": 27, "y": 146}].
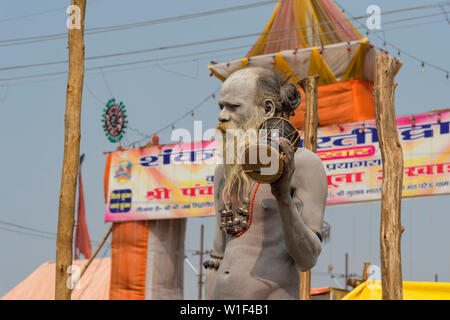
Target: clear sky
[{"x": 32, "y": 121}]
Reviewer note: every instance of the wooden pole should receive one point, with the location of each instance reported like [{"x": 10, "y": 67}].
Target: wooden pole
[
  {"x": 309, "y": 86},
  {"x": 200, "y": 274},
  {"x": 391, "y": 194},
  {"x": 68, "y": 186}
]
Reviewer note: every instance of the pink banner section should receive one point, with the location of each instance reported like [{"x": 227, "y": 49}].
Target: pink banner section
[
  {"x": 177, "y": 180},
  {"x": 352, "y": 158}
]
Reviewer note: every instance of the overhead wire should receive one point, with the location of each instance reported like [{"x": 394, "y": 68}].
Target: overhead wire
[
  {"x": 209, "y": 41},
  {"x": 30, "y": 231},
  {"x": 31, "y": 15},
  {"x": 92, "y": 93},
  {"x": 57, "y": 77},
  {"x": 41, "y": 13},
  {"x": 89, "y": 31},
  {"x": 172, "y": 123},
  {"x": 26, "y": 228},
  {"x": 173, "y": 57},
  {"x": 27, "y": 233},
  {"x": 446, "y": 71}
]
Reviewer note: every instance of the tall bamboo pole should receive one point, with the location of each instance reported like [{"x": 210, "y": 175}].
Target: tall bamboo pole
[
  {"x": 391, "y": 194},
  {"x": 309, "y": 85},
  {"x": 68, "y": 186}
]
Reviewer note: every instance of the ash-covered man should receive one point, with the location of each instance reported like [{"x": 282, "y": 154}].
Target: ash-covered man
[{"x": 278, "y": 224}]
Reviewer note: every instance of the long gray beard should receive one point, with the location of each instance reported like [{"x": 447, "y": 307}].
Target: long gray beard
[{"x": 236, "y": 181}]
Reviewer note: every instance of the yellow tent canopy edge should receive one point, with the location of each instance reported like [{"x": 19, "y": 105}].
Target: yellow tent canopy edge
[
  {"x": 318, "y": 66},
  {"x": 355, "y": 68},
  {"x": 283, "y": 66},
  {"x": 412, "y": 290}
]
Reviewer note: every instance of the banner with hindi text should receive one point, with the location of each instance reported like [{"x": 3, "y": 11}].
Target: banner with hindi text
[
  {"x": 161, "y": 182},
  {"x": 352, "y": 158},
  {"x": 174, "y": 181}
]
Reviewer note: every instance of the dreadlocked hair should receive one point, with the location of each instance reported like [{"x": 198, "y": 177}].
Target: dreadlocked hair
[{"x": 283, "y": 93}]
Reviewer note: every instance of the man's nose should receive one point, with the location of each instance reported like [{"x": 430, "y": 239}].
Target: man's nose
[{"x": 224, "y": 115}]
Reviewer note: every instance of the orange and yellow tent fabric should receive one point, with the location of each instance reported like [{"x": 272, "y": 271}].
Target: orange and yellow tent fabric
[
  {"x": 313, "y": 37},
  {"x": 297, "y": 24}
]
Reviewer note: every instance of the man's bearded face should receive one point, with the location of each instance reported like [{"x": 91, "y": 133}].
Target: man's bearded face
[{"x": 238, "y": 111}]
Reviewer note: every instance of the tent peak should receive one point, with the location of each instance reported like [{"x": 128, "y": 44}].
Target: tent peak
[{"x": 297, "y": 24}]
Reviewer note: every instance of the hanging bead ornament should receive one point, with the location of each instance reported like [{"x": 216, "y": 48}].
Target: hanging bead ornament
[
  {"x": 114, "y": 120},
  {"x": 423, "y": 67},
  {"x": 235, "y": 223}
]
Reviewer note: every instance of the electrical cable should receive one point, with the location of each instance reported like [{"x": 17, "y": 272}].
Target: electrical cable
[
  {"x": 41, "y": 13},
  {"x": 31, "y": 231},
  {"x": 92, "y": 93},
  {"x": 160, "y": 59},
  {"x": 26, "y": 228},
  {"x": 401, "y": 50},
  {"x": 172, "y": 123},
  {"x": 202, "y": 42},
  {"x": 89, "y": 31},
  {"x": 123, "y": 70},
  {"x": 27, "y": 233}
]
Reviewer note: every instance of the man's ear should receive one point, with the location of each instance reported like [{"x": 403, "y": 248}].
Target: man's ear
[{"x": 269, "y": 108}]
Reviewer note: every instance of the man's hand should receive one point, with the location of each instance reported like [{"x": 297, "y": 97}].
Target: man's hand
[{"x": 282, "y": 187}]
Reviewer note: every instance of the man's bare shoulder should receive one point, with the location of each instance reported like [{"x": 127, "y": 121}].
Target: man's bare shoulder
[
  {"x": 305, "y": 158},
  {"x": 308, "y": 165}
]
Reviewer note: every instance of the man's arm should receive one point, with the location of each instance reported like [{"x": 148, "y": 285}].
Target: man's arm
[
  {"x": 219, "y": 235},
  {"x": 303, "y": 181}
]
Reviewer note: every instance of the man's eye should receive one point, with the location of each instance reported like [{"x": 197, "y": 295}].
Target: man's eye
[{"x": 220, "y": 106}]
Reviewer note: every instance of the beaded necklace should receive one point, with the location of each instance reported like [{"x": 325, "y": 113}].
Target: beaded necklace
[{"x": 236, "y": 223}]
